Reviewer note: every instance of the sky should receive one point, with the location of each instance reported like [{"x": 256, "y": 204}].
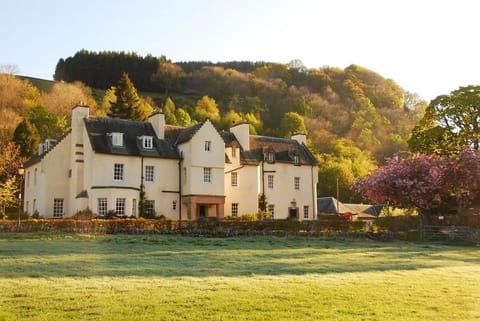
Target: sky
[{"x": 427, "y": 47}]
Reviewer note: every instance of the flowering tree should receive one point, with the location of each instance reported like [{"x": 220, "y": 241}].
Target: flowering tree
[
  {"x": 413, "y": 182},
  {"x": 425, "y": 182},
  {"x": 461, "y": 177}
]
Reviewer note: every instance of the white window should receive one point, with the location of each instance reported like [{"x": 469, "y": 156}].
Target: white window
[
  {"x": 28, "y": 178},
  {"x": 234, "y": 152},
  {"x": 296, "y": 160},
  {"x": 174, "y": 205},
  {"x": 305, "y": 212},
  {"x": 147, "y": 142},
  {"x": 234, "y": 209},
  {"x": 117, "y": 139},
  {"x": 271, "y": 157},
  {"x": 270, "y": 181},
  {"x": 271, "y": 209},
  {"x": 134, "y": 207},
  {"x": 234, "y": 177},
  {"x": 150, "y": 208},
  {"x": 102, "y": 206},
  {"x": 35, "y": 177},
  {"x": 207, "y": 175},
  {"x": 34, "y": 206},
  {"x": 149, "y": 173},
  {"x": 58, "y": 208},
  {"x": 296, "y": 183},
  {"x": 118, "y": 172},
  {"x": 208, "y": 145},
  {"x": 120, "y": 207}
]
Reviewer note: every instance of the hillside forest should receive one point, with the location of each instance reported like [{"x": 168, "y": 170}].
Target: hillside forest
[{"x": 354, "y": 118}]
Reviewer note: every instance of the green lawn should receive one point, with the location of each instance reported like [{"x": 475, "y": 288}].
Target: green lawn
[{"x": 75, "y": 277}]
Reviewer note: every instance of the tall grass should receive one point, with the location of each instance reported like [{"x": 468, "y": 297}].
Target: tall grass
[{"x": 75, "y": 277}]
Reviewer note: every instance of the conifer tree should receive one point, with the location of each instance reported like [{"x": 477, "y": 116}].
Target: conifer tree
[
  {"x": 27, "y": 138},
  {"x": 128, "y": 105}
]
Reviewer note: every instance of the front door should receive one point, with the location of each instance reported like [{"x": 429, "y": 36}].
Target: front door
[
  {"x": 202, "y": 211},
  {"x": 293, "y": 213}
]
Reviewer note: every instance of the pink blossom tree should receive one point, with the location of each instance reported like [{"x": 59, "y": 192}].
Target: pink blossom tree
[
  {"x": 413, "y": 182},
  {"x": 425, "y": 182}
]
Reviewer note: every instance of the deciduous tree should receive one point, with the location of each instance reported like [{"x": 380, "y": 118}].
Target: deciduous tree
[{"x": 450, "y": 123}]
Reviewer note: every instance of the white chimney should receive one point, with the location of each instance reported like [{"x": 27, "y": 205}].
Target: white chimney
[
  {"x": 301, "y": 138},
  {"x": 241, "y": 131},
  {"x": 158, "y": 122}
]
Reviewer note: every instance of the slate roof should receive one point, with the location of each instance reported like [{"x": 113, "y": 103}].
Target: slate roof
[
  {"x": 329, "y": 205},
  {"x": 98, "y": 130},
  {"x": 284, "y": 149}
]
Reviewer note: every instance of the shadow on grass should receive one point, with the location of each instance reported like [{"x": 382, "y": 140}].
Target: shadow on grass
[{"x": 176, "y": 256}]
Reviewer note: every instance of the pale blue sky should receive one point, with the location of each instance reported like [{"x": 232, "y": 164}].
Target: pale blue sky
[{"x": 430, "y": 48}]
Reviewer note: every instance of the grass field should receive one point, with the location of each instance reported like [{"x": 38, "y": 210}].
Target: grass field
[{"x": 79, "y": 277}]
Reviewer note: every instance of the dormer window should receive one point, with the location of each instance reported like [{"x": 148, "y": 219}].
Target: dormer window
[
  {"x": 117, "y": 139},
  {"x": 296, "y": 160},
  {"x": 147, "y": 142},
  {"x": 271, "y": 157}
]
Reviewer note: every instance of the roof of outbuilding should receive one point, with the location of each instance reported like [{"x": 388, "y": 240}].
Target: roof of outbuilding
[{"x": 98, "y": 130}]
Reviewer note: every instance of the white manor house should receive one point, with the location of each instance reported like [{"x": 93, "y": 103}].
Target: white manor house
[{"x": 109, "y": 164}]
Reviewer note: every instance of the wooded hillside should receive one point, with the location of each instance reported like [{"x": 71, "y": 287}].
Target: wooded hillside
[{"x": 354, "y": 117}]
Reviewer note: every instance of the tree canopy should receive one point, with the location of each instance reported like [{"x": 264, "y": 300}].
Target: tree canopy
[
  {"x": 450, "y": 123},
  {"x": 425, "y": 182}
]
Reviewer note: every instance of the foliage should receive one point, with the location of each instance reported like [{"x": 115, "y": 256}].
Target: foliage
[
  {"x": 346, "y": 163},
  {"x": 10, "y": 161},
  {"x": 450, "y": 122},
  {"x": 17, "y": 97},
  {"x": 27, "y": 138},
  {"x": 355, "y": 103},
  {"x": 425, "y": 182},
  {"x": 127, "y": 104},
  {"x": 292, "y": 123},
  {"x": 48, "y": 125},
  {"x": 63, "y": 97},
  {"x": 415, "y": 181},
  {"x": 168, "y": 76},
  {"x": 8, "y": 194},
  {"x": 103, "y": 69},
  {"x": 206, "y": 107}
]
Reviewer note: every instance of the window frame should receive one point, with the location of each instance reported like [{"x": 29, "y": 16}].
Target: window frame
[
  {"x": 296, "y": 183},
  {"x": 234, "y": 209},
  {"x": 208, "y": 146},
  {"x": 118, "y": 172},
  {"x": 149, "y": 208},
  {"x": 270, "y": 181},
  {"x": 120, "y": 203},
  {"x": 306, "y": 212},
  {"x": 149, "y": 173},
  {"x": 270, "y": 157},
  {"x": 102, "y": 206},
  {"x": 234, "y": 178},
  {"x": 117, "y": 139},
  {"x": 271, "y": 209},
  {"x": 58, "y": 207},
  {"x": 147, "y": 142},
  {"x": 207, "y": 174}
]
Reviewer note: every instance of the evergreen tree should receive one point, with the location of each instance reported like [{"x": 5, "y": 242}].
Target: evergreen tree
[
  {"x": 27, "y": 138},
  {"x": 128, "y": 105}
]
